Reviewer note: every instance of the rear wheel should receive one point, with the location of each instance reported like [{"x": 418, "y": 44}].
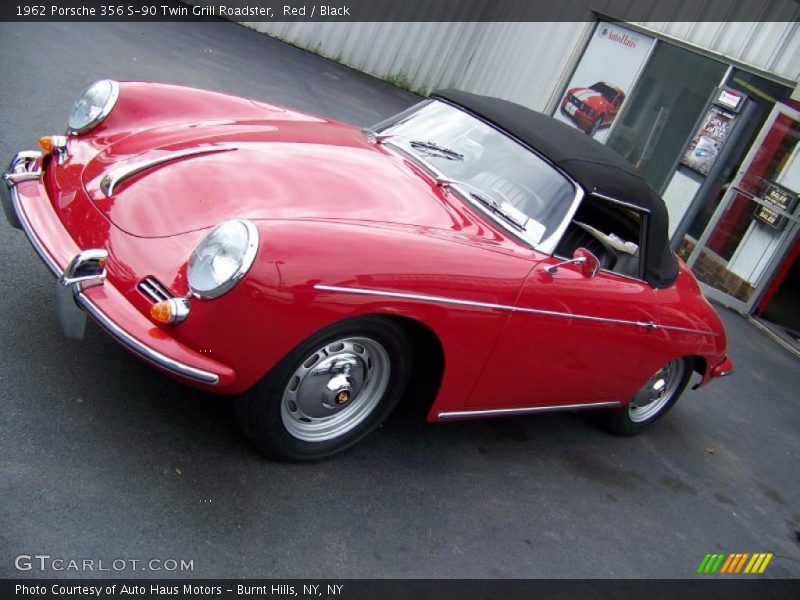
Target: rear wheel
[
  {"x": 329, "y": 392},
  {"x": 653, "y": 399}
]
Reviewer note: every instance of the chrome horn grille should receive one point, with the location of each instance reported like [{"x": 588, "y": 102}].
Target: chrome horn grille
[{"x": 154, "y": 290}]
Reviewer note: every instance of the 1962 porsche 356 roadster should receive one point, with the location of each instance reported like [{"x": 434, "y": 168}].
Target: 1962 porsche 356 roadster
[{"x": 314, "y": 269}]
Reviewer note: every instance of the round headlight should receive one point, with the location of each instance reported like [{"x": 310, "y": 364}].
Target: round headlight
[
  {"x": 93, "y": 106},
  {"x": 222, "y": 258}
]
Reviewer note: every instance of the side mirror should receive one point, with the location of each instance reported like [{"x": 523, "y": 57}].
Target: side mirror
[
  {"x": 589, "y": 264},
  {"x": 586, "y": 261}
]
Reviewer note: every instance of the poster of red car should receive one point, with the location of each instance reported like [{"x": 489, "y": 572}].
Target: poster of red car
[
  {"x": 603, "y": 78},
  {"x": 593, "y": 107}
]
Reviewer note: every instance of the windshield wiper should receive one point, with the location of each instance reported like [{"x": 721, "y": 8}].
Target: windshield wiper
[
  {"x": 431, "y": 147},
  {"x": 440, "y": 151},
  {"x": 502, "y": 209}
]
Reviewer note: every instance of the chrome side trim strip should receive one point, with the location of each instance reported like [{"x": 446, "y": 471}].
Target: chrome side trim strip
[
  {"x": 143, "y": 351},
  {"x": 505, "y": 412},
  {"x": 422, "y": 297},
  {"x": 687, "y": 330},
  {"x": 503, "y": 307},
  {"x": 116, "y": 176}
]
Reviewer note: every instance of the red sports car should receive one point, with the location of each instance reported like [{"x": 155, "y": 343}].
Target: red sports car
[
  {"x": 593, "y": 107},
  {"x": 468, "y": 246}
]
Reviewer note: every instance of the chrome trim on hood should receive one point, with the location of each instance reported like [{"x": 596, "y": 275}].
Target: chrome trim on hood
[{"x": 116, "y": 176}]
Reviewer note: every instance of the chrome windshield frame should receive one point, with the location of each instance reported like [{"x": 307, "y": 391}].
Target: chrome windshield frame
[{"x": 547, "y": 245}]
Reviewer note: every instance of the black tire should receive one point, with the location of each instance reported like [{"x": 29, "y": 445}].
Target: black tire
[
  {"x": 626, "y": 421},
  {"x": 267, "y": 422}
]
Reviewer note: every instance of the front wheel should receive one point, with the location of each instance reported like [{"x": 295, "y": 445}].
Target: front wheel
[
  {"x": 329, "y": 392},
  {"x": 653, "y": 399}
]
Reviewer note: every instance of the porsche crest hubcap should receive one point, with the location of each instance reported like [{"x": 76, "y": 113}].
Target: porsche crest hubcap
[
  {"x": 657, "y": 392},
  {"x": 335, "y": 388}
]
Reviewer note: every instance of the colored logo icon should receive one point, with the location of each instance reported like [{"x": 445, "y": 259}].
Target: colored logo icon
[{"x": 735, "y": 563}]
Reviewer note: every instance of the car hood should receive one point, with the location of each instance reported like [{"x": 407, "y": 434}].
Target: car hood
[{"x": 300, "y": 170}]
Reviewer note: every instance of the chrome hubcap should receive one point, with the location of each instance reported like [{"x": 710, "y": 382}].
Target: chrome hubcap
[
  {"x": 335, "y": 388},
  {"x": 657, "y": 392}
]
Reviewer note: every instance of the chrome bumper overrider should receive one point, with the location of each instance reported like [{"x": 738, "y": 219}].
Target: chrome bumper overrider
[
  {"x": 71, "y": 281},
  {"x": 20, "y": 169}
]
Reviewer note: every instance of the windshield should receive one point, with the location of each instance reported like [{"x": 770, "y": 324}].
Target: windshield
[{"x": 506, "y": 180}]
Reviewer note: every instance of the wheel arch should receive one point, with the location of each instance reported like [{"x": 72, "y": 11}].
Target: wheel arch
[
  {"x": 427, "y": 370},
  {"x": 700, "y": 364}
]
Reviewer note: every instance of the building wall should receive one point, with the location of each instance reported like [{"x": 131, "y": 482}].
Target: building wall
[
  {"x": 518, "y": 61},
  {"x": 770, "y": 47},
  {"x": 522, "y": 62}
]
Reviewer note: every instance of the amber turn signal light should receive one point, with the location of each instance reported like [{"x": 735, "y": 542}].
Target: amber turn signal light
[
  {"x": 48, "y": 143},
  {"x": 170, "y": 312}
]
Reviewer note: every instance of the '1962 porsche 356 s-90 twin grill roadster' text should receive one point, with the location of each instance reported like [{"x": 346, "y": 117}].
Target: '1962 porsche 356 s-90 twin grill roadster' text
[{"x": 314, "y": 270}]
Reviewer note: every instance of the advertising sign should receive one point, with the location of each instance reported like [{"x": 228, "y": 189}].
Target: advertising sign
[
  {"x": 603, "y": 79},
  {"x": 781, "y": 198},
  {"x": 708, "y": 140}
]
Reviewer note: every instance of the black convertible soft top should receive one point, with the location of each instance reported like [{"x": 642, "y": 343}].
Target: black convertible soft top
[{"x": 597, "y": 168}]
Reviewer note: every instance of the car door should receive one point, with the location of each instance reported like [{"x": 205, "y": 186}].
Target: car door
[{"x": 571, "y": 340}]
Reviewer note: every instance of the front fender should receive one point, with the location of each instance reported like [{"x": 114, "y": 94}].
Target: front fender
[{"x": 283, "y": 299}]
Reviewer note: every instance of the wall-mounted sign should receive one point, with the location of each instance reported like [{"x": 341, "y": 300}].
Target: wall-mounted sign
[
  {"x": 782, "y": 198},
  {"x": 603, "y": 78},
  {"x": 730, "y": 99},
  {"x": 708, "y": 140}
]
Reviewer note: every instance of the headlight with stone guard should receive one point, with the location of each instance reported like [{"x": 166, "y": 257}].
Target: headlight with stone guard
[
  {"x": 93, "y": 106},
  {"x": 222, "y": 258}
]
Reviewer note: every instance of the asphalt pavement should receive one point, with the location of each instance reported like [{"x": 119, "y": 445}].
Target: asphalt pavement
[{"x": 103, "y": 458}]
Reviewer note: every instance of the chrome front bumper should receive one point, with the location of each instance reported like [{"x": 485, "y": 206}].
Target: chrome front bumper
[{"x": 23, "y": 168}]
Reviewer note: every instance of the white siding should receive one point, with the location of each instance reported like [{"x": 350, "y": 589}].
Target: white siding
[
  {"x": 519, "y": 61},
  {"x": 523, "y": 62},
  {"x": 771, "y": 47}
]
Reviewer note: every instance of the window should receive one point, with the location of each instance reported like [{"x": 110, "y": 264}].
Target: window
[
  {"x": 605, "y": 90},
  {"x": 663, "y": 109},
  {"x": 610, "y": 231},
  {"x": 764, "y": 94}
]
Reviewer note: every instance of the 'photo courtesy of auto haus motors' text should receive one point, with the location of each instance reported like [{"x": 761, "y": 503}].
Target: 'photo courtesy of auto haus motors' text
[{"x": 400, "y": 299}]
